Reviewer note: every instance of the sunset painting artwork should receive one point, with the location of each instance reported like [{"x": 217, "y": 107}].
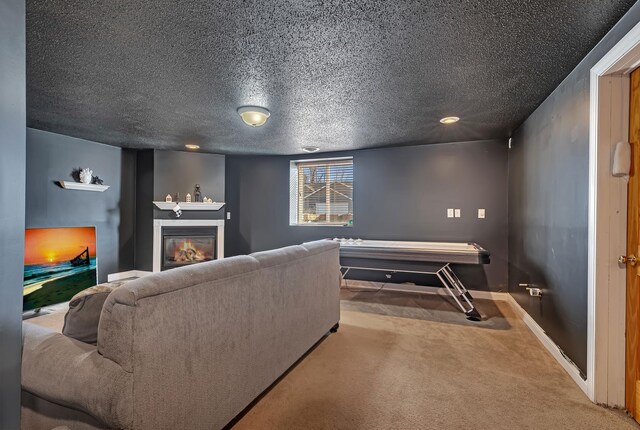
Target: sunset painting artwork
[{"x": 58, "y": 263}]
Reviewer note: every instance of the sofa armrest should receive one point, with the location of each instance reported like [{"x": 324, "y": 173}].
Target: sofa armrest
[{"x": 73, "y": 374}]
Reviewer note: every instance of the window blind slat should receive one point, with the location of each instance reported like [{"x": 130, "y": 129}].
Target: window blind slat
[{"x": 325, "y": 192}]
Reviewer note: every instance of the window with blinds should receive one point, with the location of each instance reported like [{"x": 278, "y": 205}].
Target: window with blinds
[{"x": 322, "y": 192}]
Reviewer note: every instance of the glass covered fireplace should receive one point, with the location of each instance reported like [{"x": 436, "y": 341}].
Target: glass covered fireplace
[{"x": 187, "y": 245}]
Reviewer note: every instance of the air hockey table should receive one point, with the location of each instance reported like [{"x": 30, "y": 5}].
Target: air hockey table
[{"x": 431, "y": 258}]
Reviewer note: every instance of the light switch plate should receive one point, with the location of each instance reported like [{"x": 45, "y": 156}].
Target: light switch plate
[
  {"x": 481, "y": 213},
  {"x": 449, "y": 213},
  {"x": 228, "y": 215},
  {"x": 457, "y": 212}
]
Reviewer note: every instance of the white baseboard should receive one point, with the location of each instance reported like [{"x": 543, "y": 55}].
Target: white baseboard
[
  {"x": 128, "y": 274},
  {"x": 538, "y": 332},
  {"x": 550, "y": 345}
]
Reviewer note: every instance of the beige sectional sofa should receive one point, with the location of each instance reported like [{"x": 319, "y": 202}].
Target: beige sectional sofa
[{"x": 188, "y": 348}]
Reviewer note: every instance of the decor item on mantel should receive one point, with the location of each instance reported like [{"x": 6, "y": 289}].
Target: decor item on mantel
[
  {"x": 168, "y": 199},
  {"x": 193, "y": 206},
  {"x": 197, "y": 195},
  {"x": 188, "y": 199}
]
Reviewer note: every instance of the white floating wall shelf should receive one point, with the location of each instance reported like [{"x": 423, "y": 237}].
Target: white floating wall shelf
[
  {"x": 70, "y": 185},
  {"x": 193, "y": 206}
]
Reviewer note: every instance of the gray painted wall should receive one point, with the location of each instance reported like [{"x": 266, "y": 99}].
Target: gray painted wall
[
  {"x": 399, "y": 194},
  {"x": 167, "y": 172},
  {"x": 548, "y": 198},
  {"x": 179, "y": 171},
  {"x": 144, "y": 210},
  {"x": 12, "y": 192},
  {"x": 50, "y": 158}
]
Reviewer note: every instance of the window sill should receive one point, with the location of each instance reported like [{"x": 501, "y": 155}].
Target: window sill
[{"x": 311, "y": 224}]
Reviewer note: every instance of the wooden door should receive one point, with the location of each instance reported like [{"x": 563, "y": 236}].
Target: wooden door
[{"x": 632, "y": 332}]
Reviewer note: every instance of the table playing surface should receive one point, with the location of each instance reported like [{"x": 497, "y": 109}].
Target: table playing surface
[{"x": 454, "y": 252}]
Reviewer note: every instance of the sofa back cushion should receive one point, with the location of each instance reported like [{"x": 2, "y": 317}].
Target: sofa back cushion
[
  {"x": 115, "y": 329},
  {"x": 205, "y": 340}
]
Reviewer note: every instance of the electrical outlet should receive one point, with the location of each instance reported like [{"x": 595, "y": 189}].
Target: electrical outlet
[
  {"x": 535, "y": 292},
  {"x": 228, "y": 215},
  {"x": 457, "y": 212},
  {"x": 449, "y": 213},
  {"x": 481, "y": 213}
]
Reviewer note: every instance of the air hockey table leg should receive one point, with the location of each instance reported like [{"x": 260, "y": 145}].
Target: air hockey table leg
[
  {"x": 343, "y": 275},
  {"x": 458, "y": 282},
  {"x": 445, "y": 282},
  {"x": 471, "y": 313}
]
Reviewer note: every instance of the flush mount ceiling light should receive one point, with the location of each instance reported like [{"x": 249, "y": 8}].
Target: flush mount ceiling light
[
  {"x": 310, "y": 149},
  {"x": 450, "y": 120},
  {"x": 192, "y": 146},
  {"x": 254, "y": 116}
]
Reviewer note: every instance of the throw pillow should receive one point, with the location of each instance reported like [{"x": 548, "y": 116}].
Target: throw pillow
[{"x": 83, "y": 316}]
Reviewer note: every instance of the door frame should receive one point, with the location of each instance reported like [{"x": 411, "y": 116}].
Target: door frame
[{"x": 607, "y": 236}]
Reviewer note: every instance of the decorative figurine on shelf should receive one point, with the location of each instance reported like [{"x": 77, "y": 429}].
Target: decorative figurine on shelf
[
  {"x": 86, "y": 175},
  {"x": 177, "y": 199},
  {"x": 209, "y": 200},
  {"x": 188, "y": 198},
  {"x": 97, "y": 181},
  {"x": 168, "y": 199},
  {"x": 197, "y": 195}
]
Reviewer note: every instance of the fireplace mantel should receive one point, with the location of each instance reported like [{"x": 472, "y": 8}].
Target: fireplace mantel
[
  {"x": 190, "y": 206},
  {"x": 157, "y": 235}
]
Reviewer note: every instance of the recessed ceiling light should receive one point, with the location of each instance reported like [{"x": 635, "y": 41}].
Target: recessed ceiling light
[
  {"x": 192, "y": 146},
  {"x": 310, "y": 149},
  {"x": 253, "y": 115},
  {"x": 450, "y": 120}
]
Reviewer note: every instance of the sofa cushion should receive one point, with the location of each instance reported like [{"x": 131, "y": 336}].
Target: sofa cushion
[
  {"x": 72, "y": 374},
  {"x": 83, "y": 316}
]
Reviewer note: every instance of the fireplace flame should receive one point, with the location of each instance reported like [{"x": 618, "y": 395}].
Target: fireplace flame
[{"x": 188, "y": 253}]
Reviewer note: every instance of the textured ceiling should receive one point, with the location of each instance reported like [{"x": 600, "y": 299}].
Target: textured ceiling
[{"x": 337, "y": 74}]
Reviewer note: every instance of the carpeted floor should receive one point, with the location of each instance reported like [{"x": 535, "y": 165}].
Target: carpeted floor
[
  {"x": 412, "y": 362},
  {"x": 52, "y": 318}
]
